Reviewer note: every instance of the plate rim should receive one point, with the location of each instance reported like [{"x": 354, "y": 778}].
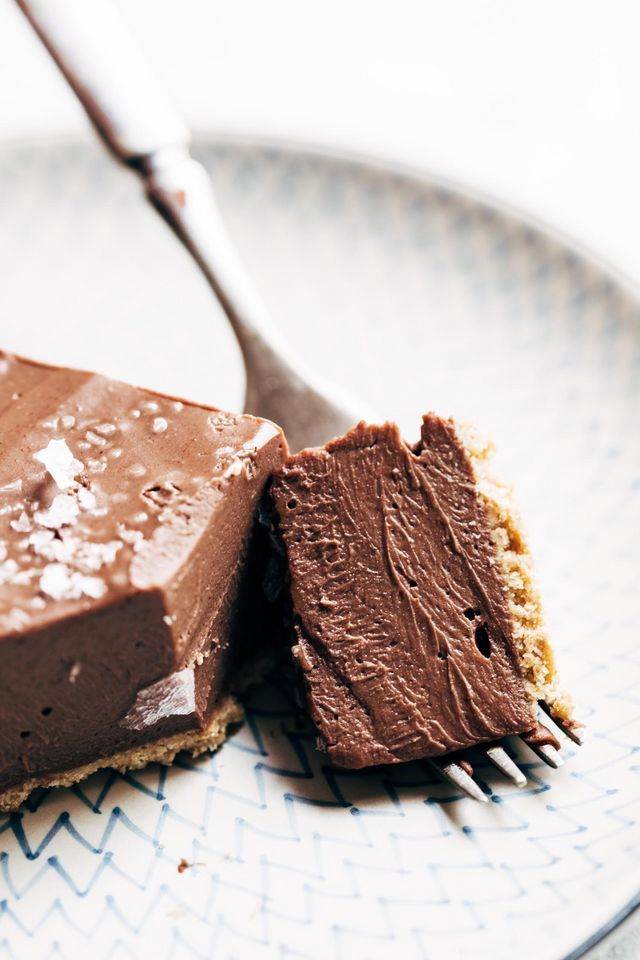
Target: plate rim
[{"x": 384, "y": 163}]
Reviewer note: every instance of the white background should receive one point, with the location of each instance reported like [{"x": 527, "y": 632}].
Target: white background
[{"x": 532, "y": 101}]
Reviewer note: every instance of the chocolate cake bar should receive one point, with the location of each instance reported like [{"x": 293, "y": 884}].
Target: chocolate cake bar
[
  {"x": 418, "y": 628},
  {"x": 126, "y": 598}
]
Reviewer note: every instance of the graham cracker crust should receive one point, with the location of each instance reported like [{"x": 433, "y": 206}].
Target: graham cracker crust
[
  {"x": 163, "y": 751},
  {"x": 537, "y": 661}
]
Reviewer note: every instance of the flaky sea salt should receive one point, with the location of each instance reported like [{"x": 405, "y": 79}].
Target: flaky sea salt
[
  {"x": 22, "y": 524},
  {"x": 60, "y": 463},
  {"x": 56, "y": 581},
  {"x": 90, "y": 557},
  {"x": 91, "y": 586},
  {"x": 132, "y": 537},
  {"x": 68, "y": 421},
  {"x": 40, "y": 540},
  {"x": 74, "y": 671},
  {"x": 86, "y": 499},
  {"x": 159, "y": 425},
  {"x": 95, "y": 439},
  {"x": 8, "y": 570},
  {"x": 23, "y": 577},
  {"x": 19, "y": 616},
  {"x": 44, "y": 544},
  {"x": 14, "y": 487},
  {"x": 58, "y": 551},
  {"x": 59, "y": 583},
  {"x": 62, "y": 512},
  {"x": 218, "y": 421},
  {"x": 16, "y": 619},
  {"x": 106, "y": 429},
  {"x": 168, "y": 697},
  {"x": 86, "y": 556}
]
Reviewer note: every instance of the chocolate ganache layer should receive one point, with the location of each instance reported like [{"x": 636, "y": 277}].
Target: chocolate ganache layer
[
  {"x": 402, "y": 629},
  {"x": 125, "y": 595}
]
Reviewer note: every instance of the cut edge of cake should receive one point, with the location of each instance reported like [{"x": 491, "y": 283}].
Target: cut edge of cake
[
  {"x": 535, "y": 652},
  {"x": 164, "y": 751}
]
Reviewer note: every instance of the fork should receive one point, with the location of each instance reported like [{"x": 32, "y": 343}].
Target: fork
[{"x": 123, "y": 101}]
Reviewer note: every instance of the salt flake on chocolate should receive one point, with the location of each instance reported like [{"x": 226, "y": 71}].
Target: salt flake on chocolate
[
  {"x": 60, "y": 463},
  {"x": 23, "y": 578},
  {"x": 16, "y": 619},
  {"x": 59, "y": 583},
  {"x": 92, "y": 587},
  {"x": 14, "y": 487},
  {"x": 62, "y": 512},
  {"x": 22, "y": 524},
  {"x": 132, "y": 537},
  {"x": 44, "y": 544},
  {"x": 8, "y": 570},
  {"x": 41, "y": 541},
  {"x": 89, "y": 556},
  {"x": 86, "y": 499},
  {"x": 55, "y": 581}
]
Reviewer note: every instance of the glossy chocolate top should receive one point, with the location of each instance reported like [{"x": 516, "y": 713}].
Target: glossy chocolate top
[
  {"x": 403, "y": 633},
  {"x": 103, "y": 486}
]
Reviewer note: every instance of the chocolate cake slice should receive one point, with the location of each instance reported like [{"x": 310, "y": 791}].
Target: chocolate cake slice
[
  {"x": 126, "y": 596},
  {"x": 417, "y": 625}
]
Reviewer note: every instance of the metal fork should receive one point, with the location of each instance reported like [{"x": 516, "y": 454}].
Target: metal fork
[
  {"x": 94, "y": 51},
  {"x": 455, "y": 773}
]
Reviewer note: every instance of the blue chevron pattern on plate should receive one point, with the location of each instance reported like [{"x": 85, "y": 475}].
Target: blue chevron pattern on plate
[{"x": 419, "y": 297}]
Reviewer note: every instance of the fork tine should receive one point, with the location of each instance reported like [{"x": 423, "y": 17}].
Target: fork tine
[
  {"x": 572, "y": 732},
  {"x": 459, "y": 778},
  {"x": 545, "y": 751},
  {"x": 499, "y": 757},
  {"x": 549, "y": 753}
]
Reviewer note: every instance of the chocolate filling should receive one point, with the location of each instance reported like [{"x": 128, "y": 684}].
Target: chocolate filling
[{"x": 401, "y": 625}]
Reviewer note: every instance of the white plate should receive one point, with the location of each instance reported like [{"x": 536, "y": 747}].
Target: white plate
[{"x": 418, "y": 297}]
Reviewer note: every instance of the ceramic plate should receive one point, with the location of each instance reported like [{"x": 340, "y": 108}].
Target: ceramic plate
[{"x": 417, "y": 297}]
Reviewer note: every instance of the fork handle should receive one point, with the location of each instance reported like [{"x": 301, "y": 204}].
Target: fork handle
[
  {"x": 99, "y": 59},
  {"x": 94, "y": 51}
]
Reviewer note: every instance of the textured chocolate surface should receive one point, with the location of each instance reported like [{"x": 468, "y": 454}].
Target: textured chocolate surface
[
  {"x": 122, "y": 561},
  {"x": 402, "y": 631}
]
